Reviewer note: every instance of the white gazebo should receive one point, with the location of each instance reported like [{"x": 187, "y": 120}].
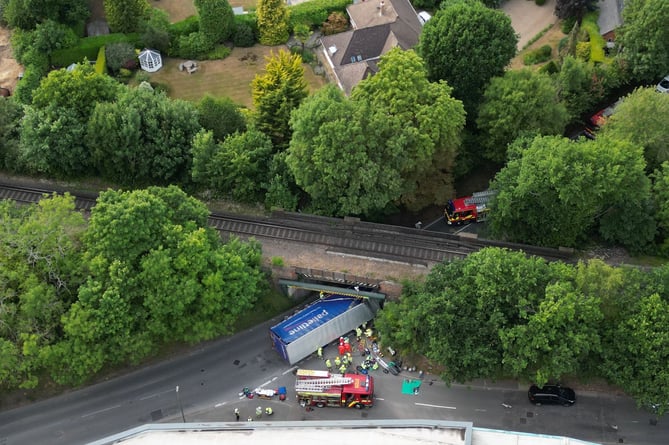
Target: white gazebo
[{"x": 150, "y": 60}]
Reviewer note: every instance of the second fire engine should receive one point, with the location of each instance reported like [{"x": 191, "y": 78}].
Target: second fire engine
[{"x": 468, "y": 209}]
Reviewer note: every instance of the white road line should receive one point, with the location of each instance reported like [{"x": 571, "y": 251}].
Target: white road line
[
  {"x": 265, "y": 384},
  {"x": 218, "y": 405},
  {"x": 150, "y": 396},
  {"x": 275, "y": 378},
  {"x": 481, "y": 410},
  {"x": 100, "y": 411},
  {"x": 435, "y": 406},
  {"x": 378, "y": 398},
  {"x": 289, "y": 370}
]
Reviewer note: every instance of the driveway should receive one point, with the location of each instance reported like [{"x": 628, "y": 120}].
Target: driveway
[{"x": 528, "y": 19}]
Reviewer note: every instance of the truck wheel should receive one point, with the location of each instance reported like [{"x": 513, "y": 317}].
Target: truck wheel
[
  {"x": 320, "y": 404},
  {"x": 358, "y": 406}
]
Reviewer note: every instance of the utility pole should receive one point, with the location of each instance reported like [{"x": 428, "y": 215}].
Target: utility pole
[{"x": 181, "y": 408}]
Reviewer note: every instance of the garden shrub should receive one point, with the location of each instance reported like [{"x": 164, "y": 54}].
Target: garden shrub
[
  {"x": 597, "y": 43},
  {"x": 32, "y": 76},
  {"x": 101, "y": 62},
  {"x": 336, "y": 22},
  {"x": 193, "y": 46},
  {"x": 220, "y": 52},
  {"x": 563, "y": 42},
  {"x": 160, "y": 87},
  {"x": 583, "y": 50},
  {"x": 550, "y": 68},
  {"x": 119, "y": 54},
  {"x": 315, "y": 12},
  {"x": 306, "y": 54},
  {"x": 538, "y": 55},
  {"x": 87, "y": 48},
  {"x": 539, "y": 2},
  {"x": 243, "y": 35},
  {"x": 185, "y": 27}
]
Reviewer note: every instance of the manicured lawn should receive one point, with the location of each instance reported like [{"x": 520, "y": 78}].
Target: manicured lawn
[
  {"x": 180, "y": 9},
  {"x": 230, "y": 77}
]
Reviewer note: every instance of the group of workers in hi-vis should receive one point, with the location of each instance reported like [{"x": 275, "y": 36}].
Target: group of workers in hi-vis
[
  {"x": 259, "y": 411},
  {"x": 342, "y": 361}
]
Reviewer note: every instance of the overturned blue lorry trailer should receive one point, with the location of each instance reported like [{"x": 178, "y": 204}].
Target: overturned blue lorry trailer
[{"x": 319, "y": 324}]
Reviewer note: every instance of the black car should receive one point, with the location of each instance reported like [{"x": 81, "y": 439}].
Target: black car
[{"x": 551, "y": 394}]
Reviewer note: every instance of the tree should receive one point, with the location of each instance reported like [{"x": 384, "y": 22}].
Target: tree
[
  {"x": 10, "y": 120},
  {"x": 574, "y": 85},
  {"x": 644, "y": 38},
  {"x": 519, "y": 101},
  {"x": 425, "y": 123},
  {"x": 661, "y": 200},
  {"x": 119, "y": 55},
  {"x": 276, "y": 93},
  {"x": 221, "y": 116},
  {"x": 557, "y": 339},
  {"x": 26, "y": 14},
  {"x": 643, "y": 339},
  {"x": 216, "y": 20},
  {"x": 143, "y": 137},
  {"x": 467, "y": 59},
  {"x": 642, "y": 109},
  {"x": 156, "y": 35},
  {"x": 52, "y": 133},
  {"x": 572, "y": 8},
  {"x": 156, "y": 273},
  {"x": 237, "y": 167},
  {"x": 394, "y": 141},
  {"x": 302, "y": 33},
  {"x": 272, "y": 19},
  {"x": 126, "y": 15},
  {"x": 578, "y": 186}
]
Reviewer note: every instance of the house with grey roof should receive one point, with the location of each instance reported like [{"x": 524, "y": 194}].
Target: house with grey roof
[
  {"x": 610, "y": 17},
  {"x": 378, "y": 26}
]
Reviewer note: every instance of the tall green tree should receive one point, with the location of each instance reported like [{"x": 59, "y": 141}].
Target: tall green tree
[
  {"x": 643, "y": 340},
  {"x": 216, "y": 20},
  {"x": 10, "y": 120},
  {"x": 644, "y": 38},
  {"x": 126, "y": 15},
  {"x": 52, "y": 132},
  {"x": 426, "y": 123},
  {"x": 237, "y": 167},
  {"x": 276, "y": 93},
  {"x": 465, "y": 58},
  {"x": 557, "y": 339},
  {"x": 574, "y": 85},
  {"x": 272, "y": 18},
  {"x": 578, "y": 187},
  {"x": 26, "y": 14},
  {"x": 143, "y": 137},
  {"x": 639, "y": 119},
  {"x": 572, "y": 8},
  {"x": 520, "y": 101}
]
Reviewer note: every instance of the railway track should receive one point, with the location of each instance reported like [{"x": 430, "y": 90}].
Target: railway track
[{"x": 347, "y": 236}]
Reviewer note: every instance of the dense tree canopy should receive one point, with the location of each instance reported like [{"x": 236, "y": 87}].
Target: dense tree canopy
[
  {"x": 395, "y": 140},
  {"x": 216, "y": 20},
  {"x": 640, "y": 119},
  {"x": 10, "y": 119},
  {"x": 143, "y": 138},
  {"x": 572, "y": 8},
  {"x": 156, "y": 273},
  {"x": 644, "y": 38},
  {"x": 467, "y": 44},
  {"x": 221, "y": 116},
  {"x": 499, "y": 314},
  {"x": 26, "y": 14},
  {"x": 519, "y": 101},
  {"x": 577, "y": 187},
  {"x": 574, "y": 86},
  {"x": 52, "y": 133},
  {"x": 126, "y": 15},
  {"x": 276, "y": 93}
]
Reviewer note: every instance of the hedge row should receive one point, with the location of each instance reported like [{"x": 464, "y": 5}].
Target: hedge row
[
  {"x": 88, "y": 48},
  {"x": 315, "y": 12},
  {"x": 597, "y": 43},
  {"x": 101, "y": 62}
]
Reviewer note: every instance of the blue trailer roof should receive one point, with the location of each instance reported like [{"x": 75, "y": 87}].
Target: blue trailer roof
[{"x": 312, "y": 317}]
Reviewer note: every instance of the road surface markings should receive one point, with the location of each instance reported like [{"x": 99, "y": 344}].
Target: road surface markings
[
  {"x": 218, "y": 405},
  {"x": 289, "y": 370},
  {"x": 150, "y": 396},
  {"x": 100, "y": 411},
  {"x": 481, "y": 410},
  {"x": 378, "y": 398},
  {"x": 435, "y": 406}
]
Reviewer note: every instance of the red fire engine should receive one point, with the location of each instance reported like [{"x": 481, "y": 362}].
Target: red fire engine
[
  {"x": 320, "y": 388},
  {"x": 468, "y": 209}
]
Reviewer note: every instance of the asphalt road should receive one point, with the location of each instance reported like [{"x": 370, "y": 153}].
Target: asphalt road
[{"x": 211, "y": 377}]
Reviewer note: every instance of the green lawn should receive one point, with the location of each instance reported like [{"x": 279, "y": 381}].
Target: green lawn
[{"x": 230, "y": 77}]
